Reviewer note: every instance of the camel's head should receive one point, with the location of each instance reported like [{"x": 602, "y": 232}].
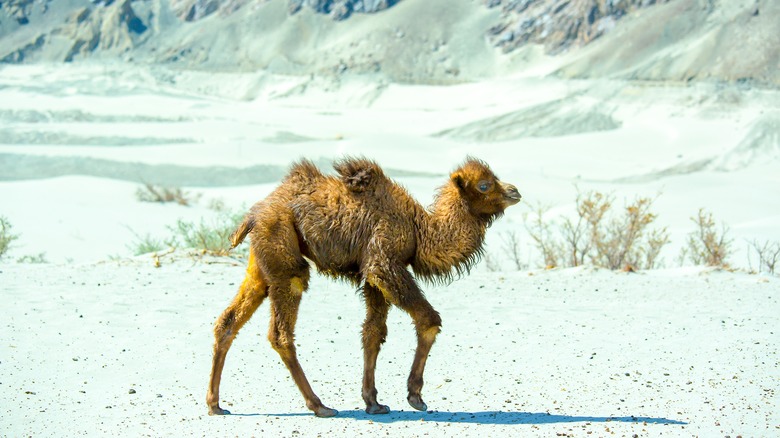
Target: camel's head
[{"x": 486, "y": 195}]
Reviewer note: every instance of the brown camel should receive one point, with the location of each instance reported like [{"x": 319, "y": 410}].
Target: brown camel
[{"x": 364, "y": 228}]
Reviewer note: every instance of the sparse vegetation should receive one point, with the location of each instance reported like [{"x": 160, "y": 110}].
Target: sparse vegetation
[
  {"x": 705, "y": 245},
  {"x": 6, "y": 237},
  {"x": 210, "y": 236},
  {"x": 152, "y": 193},
  {"x": 30, "y": 258},
  {"x": 491, "y": 263},
  {"x": 146, "y": 244},
  {"x": 768, "y": 255},
  {"x": 596, "y": 237}
]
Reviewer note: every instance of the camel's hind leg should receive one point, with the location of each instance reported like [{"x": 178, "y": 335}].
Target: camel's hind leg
[
  {"x": 374, "y": 335},
  {"x": 285, "y": 301},
  {"x": 250, "y": 295}
]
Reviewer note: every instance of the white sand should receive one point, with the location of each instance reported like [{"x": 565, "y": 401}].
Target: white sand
[{"x": 684, "y": 351}]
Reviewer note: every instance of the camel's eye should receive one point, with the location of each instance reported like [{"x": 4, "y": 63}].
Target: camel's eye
[{"x": 484, "y": 186}]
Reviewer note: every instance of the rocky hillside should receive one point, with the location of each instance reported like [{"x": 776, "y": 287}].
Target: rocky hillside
[
  {"x": 429, "y": 41},
  {"x": 560, "y": 24}
]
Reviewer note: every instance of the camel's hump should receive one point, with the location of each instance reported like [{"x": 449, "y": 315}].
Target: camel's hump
[
  {"x": 358, "y": 174},
  {"x": 304, "y": 170}
]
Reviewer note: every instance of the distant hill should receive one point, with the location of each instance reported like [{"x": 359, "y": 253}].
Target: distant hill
[{"x": 419, "y": 41}]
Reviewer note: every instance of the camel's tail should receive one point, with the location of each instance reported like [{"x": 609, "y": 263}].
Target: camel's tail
[{"x": 239, "y": 235}]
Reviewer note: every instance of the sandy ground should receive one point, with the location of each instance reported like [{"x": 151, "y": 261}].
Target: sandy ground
[{"x": 572, "y": 352}]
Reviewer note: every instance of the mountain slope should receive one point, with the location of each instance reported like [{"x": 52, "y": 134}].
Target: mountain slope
[{"x": 420, "y": 41}]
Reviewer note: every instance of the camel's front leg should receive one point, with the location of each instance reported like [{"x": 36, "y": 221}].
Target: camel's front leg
[
  {"x": 399, "y": 287},
  {"x": 428, "y": 324},
  {"x": 374, "y": 334}
]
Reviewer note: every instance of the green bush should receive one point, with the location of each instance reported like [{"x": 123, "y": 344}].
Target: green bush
[
  {"x": 211, "y": 236},
  {"x": 146, "y": 244},
  {"x": 6, "y": 237},
  {"x": 37, "y": 258}
]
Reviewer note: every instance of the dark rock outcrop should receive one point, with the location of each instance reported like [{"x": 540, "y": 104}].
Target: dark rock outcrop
[{"x": 193, "y": 10}]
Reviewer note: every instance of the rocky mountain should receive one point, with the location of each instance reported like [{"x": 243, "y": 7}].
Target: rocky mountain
[{"x": 430, "y": 41}]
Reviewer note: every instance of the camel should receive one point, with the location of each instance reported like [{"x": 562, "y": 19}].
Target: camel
[{"x": 362, "y": 227}]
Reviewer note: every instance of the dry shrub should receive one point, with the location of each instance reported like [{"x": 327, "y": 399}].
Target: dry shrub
[
  {"x": 705, "y": 245},
  {"x": 152, "y": 193},
  {"x": 626, "y": 242},
  {"x": 597, "y": 237},
  {"x": 768, "y": 255},
  {"x": 544, "y": 238},
  {"x": 511, "y": 246}
]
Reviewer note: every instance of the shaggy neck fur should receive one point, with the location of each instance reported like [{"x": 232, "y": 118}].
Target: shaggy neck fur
[{"x": 449, "y": 238}]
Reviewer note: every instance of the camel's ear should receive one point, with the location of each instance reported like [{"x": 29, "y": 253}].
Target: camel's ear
[{"x": 459, "y": 181}]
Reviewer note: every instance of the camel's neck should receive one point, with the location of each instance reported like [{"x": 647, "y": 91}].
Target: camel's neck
[{"x": 449, "y": 239}]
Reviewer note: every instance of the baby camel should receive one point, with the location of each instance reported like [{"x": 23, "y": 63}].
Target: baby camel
[{"x": 364, "y": 228}]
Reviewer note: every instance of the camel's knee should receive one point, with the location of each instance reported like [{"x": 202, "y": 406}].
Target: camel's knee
[
  {"x": 299, "y": 284},
  {"x": 428, "y": 324},
  {"x": 429, "y": 335},
  {"x": 283, "y": 346}
]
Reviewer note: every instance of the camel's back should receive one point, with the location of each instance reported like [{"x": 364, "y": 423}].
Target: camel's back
[{"x": 339, "y": 220}]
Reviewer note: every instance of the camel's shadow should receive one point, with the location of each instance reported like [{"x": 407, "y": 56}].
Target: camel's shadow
[{"x": 486, "y": 417}]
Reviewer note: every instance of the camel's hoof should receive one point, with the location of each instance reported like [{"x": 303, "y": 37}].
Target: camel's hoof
[
  {"x": 216, "y": 410},
  {"x": 377, "y": 409},
  {"x": 325, "y": 412},
  {"x": 416, "y": 402}
]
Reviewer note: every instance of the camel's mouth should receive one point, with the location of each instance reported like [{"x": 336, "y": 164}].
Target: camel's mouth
[
  {"x": 511, "y": 200},
  {"x": 511, "y": 195}
]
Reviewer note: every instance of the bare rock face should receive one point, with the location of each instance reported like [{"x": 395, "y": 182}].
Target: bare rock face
[
  {"x": 558, "y": 24},
  {"x": 18, "y": 9},
  {"x": 193, "y": 10},
  {"x": 111, "y": 26}
]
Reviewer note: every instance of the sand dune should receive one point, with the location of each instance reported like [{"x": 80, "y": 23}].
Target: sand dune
[{"x": 556, "y": 118}]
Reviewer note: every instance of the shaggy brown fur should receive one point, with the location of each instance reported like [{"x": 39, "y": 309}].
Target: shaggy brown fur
[{"x": 364, "y": 228}]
